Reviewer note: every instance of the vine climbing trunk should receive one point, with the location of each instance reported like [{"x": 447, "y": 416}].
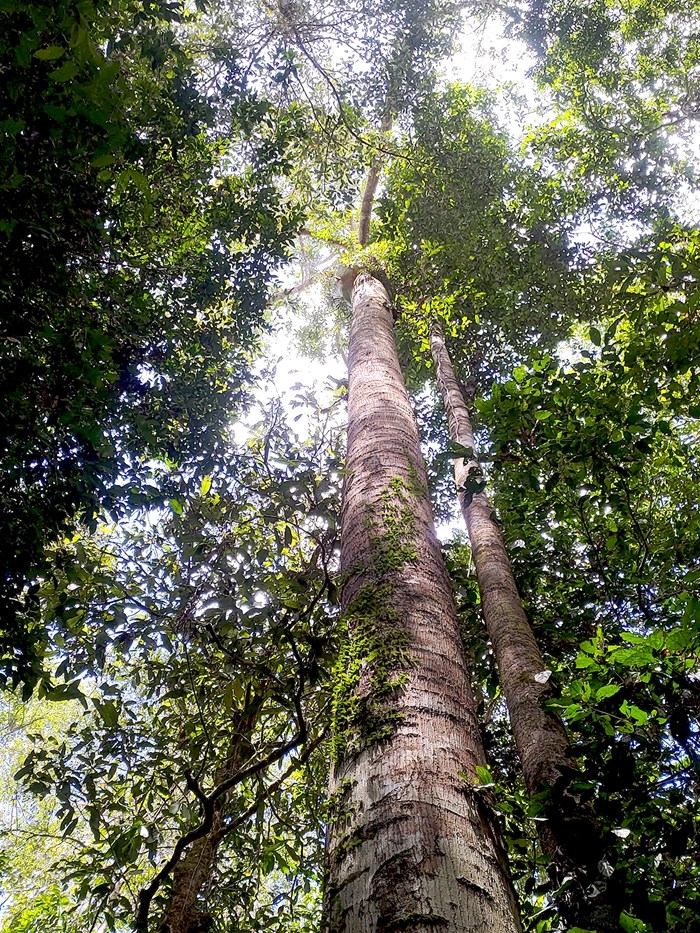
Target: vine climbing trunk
[
  {"x": 570, "y": 835},
  {"x": 412, "y": 846}
]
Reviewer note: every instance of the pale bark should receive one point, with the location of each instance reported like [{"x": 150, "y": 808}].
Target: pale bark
[
  {"x": 371, "y": 185},
  {"x": 570, "y": 836},
  {"x": 413, "y": 846}
]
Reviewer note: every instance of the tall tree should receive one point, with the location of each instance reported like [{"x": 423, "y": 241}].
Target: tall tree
[
  {"x": 570, "y": 834},
  {"x": 411, "y": 844},
  {"x": 597, "y": 507},
  {"x": 195, "y": 651}
]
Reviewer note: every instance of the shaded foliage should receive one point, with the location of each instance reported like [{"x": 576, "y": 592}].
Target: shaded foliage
[
  {"x": 140, "y": 225},
  {"x": 198, "y": 648},
  {"x": 595, "y": 475}
]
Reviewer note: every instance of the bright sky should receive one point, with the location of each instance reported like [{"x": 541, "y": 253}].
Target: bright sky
[{"x": 486, "y": 58}]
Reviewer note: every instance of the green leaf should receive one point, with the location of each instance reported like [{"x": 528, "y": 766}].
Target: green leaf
[
  {"x": 66, "y": 72},
  {"x": 634, "y": 712},
  {"x": 206, "y": 486},
  {"x": 596, "y": 336},
  {"x": 484, "y": 775},
  {"x": 102, "y": 161},
  {"x": 49, "y": 54},
  {"x": 108, "y": 712},
  {"x": 631, "y": 924},
  {"x": 608, "y": 691},
  {"x": 12, "y": 127}
]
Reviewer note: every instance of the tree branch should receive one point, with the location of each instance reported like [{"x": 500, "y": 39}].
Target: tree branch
[
  {"x": 206, "y": 802},
  {"x": 371, "y": 185}
]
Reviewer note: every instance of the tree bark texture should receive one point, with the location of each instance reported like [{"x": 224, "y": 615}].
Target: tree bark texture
[
  {"x": 185, "y": 912},
  {"x": 411, "y": 846},
  {"x": 570, "y": 836}
]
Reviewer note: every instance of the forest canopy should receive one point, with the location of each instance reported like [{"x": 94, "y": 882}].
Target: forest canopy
[{"x": 285, "y": 286}]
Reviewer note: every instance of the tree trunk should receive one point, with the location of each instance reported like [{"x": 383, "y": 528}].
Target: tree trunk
[
  {"x": 412, "y": 847},
  {"x": 185, "y": 911},
  {"x": 570, "y": 836},
  {"x": 539, "y": 734}
]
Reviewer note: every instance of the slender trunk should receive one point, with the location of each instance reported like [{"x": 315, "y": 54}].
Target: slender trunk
[
  {"x": 570, "y": 836},
  {"x": 372, "y": 183},
  {"x": 540, "y": 736},
  {"x": 412, "y": 847},
  {"x": 185, "y": 911}
]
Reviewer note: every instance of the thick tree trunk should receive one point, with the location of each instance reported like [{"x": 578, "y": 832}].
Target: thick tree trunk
[
  {"x": 412, "y": 847},
  {"x": 570, "y": 835}
]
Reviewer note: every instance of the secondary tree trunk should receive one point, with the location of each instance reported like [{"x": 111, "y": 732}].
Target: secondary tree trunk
[
  {"x": 570, "y": 836},
  {"x": 412, "y": 847},
  {"x": 539, "y": 734},
  {"x": 185, "y": 911}
]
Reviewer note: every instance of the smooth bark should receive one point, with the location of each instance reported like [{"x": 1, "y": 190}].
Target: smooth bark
[
  {"x": 570, "y": 835},
  {"x": 372, "y": 183},
  {"x": 412, "y": 846},
  {"x": 540, "y": 735}
]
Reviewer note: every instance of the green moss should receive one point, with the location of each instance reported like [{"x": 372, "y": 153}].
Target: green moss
[
  {"x": 411, "y": 921},
  {"x": 348, "y": 842},
  {"x": 372, "y": 665},
  {"x": 415, "y": 483},
  {"x": 337, "y": 806},
  {"x": 369, "y": 671},
  {"x": 392, "y": 538}
]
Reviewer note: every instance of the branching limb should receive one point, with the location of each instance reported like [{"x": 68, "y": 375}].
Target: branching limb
[{"x": 207, "y": 802}]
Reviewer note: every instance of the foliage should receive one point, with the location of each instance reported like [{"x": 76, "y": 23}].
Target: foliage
[
  {"x": 171, "y": 594},
  {"x": 475, "y": 238},
  {"x": 624, "y": 78},
  {"x": 595, "y": 471},
  {"x": 140, "y": 223},
  {"x": 197, "y": 647}
]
